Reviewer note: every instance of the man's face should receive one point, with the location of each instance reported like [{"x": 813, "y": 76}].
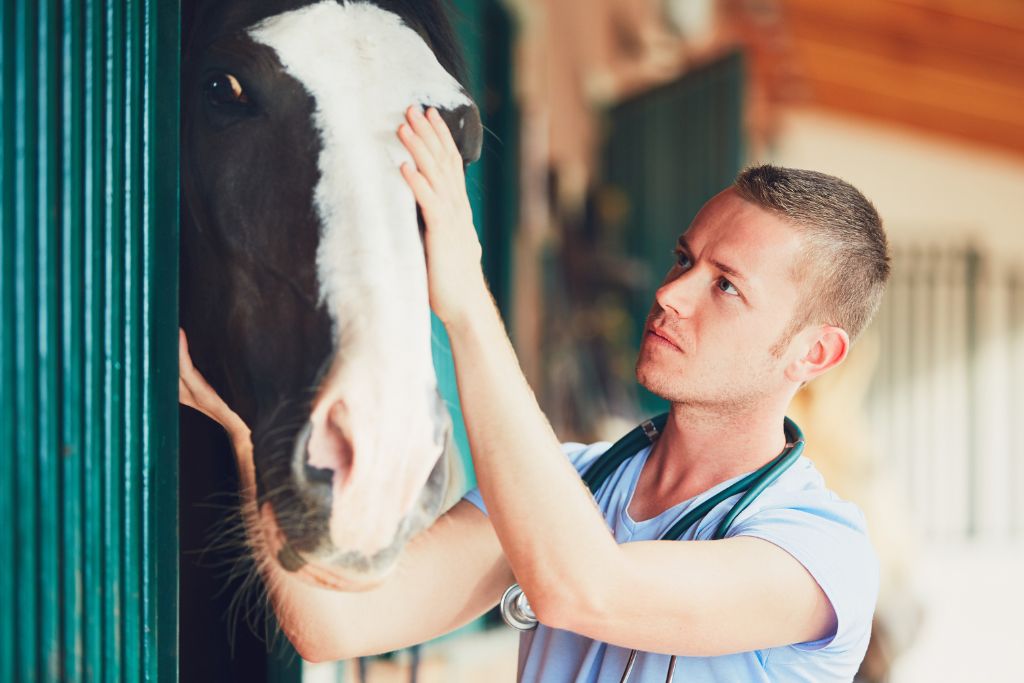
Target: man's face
[{"x": 722, "y": 308}]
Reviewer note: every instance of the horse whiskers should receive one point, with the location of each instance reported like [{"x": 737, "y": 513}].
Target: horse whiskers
[
  {"x": 254, "y": 592},
  {"x": 248, "y": 593},
  {"x": 228, "y": 534},
  {"x": 287, "y": 428}
]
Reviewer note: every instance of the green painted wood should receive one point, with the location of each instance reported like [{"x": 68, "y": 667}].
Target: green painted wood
[
  {"x": 25, "y": 344},
  {"x": 490, "y": 182},
  {"x": 88, "y": 341},
  {"x": 71, "y": 448},
  {"x": 132, "y": 332},
  {"x": 113, "y": 355},
  {"x": 159, "y": 351},
  {"x": 8, "y": 154},
  {"x": 92, "y": 384},
  {"x": 48, "y": 267},
  {"x": 669, "y": 151},
  {"x": 93, "y": 394},
  {"x": 500, "y": 159}
]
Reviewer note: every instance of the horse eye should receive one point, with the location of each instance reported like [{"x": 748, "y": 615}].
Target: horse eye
[{"x": 224, "y": 89}]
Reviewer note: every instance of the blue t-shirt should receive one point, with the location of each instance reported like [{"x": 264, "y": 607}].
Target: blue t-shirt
[{"x": 797, "y": 513}]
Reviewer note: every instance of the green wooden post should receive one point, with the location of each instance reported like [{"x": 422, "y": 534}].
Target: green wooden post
[
  {"x": 669, "y": 151},
  {"x": 484, "y": 32},
  {"x": 88, "y": 341}
]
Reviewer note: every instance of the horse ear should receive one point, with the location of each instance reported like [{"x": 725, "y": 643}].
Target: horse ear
[{"x": 467, "y": 129}]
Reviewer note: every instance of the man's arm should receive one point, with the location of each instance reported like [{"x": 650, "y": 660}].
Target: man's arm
[
  {"x": 695, "y": 598},
  {"x": 701, "y": 597},
  {"x": 447, "y": 575}
]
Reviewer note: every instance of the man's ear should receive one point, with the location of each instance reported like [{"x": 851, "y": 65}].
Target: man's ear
[{"x": 827, "y": 347}]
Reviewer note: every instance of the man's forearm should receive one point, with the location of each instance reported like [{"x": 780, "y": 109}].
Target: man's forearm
[
  {"x": 542, "y": 512},
  {"x": 313, "y": 619}
]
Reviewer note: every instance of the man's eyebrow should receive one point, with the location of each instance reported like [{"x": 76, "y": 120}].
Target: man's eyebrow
[{"x": 725, "y": 268}]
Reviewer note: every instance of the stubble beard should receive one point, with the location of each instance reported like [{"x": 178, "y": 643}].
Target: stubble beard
[{"x": 712, "y": 396}]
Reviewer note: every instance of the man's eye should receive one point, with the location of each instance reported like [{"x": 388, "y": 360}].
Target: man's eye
[
  {"x": 682, "y": 258},
  {"x": 727, "y": 287}
]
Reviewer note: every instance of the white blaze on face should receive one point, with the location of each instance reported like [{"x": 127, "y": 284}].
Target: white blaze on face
[{"x": 364, "y": 67}]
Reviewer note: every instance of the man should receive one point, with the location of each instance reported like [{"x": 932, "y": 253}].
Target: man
[{"x": 775, "y": 277}]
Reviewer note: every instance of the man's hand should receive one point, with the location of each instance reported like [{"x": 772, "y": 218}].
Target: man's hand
[
  {"x": 438, "y": 181},
  {"x": 195, "y": 392}
]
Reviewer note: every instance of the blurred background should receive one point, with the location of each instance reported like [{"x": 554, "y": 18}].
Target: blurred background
[{"x": 610, "y": 122}]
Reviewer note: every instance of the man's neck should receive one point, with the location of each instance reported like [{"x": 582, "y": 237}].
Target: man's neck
[{"x": 701, "y": 447}]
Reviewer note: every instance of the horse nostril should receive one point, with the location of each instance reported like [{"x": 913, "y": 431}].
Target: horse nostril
[{"x": 329, "y": 449}]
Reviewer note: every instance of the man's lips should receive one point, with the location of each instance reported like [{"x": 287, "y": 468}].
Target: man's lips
[{"x": 661, "y": 338}]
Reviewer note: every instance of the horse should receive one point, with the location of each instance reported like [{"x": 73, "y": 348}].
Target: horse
[{"x": 303, "y": 283}]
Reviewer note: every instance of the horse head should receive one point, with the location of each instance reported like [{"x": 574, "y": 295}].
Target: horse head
[{"x": 304, "y": 291}]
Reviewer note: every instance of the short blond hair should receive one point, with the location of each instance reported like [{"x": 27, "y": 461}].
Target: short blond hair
[{"x": 845, "y": 260}]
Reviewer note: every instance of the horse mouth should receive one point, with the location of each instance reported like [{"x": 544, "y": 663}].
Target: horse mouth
[{"x": 328, "y": 567}]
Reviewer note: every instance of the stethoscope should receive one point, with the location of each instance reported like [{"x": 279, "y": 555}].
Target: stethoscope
[{"x": 515, "y": 609}]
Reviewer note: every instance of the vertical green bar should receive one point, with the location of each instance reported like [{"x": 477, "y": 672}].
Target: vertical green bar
[
  {"x": 48, "y": 352},
  {"x": 95, "y": 245},
  {"x": 700, "y": 114},
  {"x": 160, "y": 342},
  {"x": 500, "y": 158},
  {"x": 71, "y": 342},
  {"x": 93, "y": 406},
  {"x": 113, "y": 346},
  {"x": 132, "y": 328},
  {"x": 465, "y": 21},
  {"x": 25, "y": 327},
  {"x": 8, "y": 507}
]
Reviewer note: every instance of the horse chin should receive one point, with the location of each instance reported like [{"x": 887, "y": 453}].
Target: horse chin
[
  {"x": 330, "y": 578},
  {"x": 311, "y": 570},
  {"x": 329, "y": 567}
]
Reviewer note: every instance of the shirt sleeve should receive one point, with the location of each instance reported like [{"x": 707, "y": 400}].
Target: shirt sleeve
[
  {"x": 580, "y": 455},
  {"x": 828, "y": 536}
]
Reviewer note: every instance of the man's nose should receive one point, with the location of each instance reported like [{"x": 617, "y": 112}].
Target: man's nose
[{"x": 680, "y": 294}]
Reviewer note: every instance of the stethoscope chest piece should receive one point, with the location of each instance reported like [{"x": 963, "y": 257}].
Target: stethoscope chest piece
[{"x": 516, "y": 611}]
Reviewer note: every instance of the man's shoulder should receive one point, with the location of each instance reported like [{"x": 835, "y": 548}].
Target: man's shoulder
[{"x": 803, "y": 488}]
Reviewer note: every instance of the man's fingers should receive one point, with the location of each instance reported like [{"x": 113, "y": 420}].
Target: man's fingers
[
  {"x": 426, "y": 160},
  {"x": 184, "y": 360},
  {"x": 185, "y": 396},
  {"x": 425, "y": 130},
  {"x": 450, "y": 148},
  {"x": 195, "y": 392},
  {"x": 424, "y": 192}
]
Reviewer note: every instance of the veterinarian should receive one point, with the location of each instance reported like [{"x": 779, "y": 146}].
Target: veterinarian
[{"x": 774, "y": 278}]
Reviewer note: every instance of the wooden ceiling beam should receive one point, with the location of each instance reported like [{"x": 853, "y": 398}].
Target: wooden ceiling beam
[
  {"x": 931, "y": 88},
  {"x": 999, "y": 70},
  {"x": 996, "y": 12},
  {"x": 1006, "y": 137},
  {"x": 975, "y": 50}
]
